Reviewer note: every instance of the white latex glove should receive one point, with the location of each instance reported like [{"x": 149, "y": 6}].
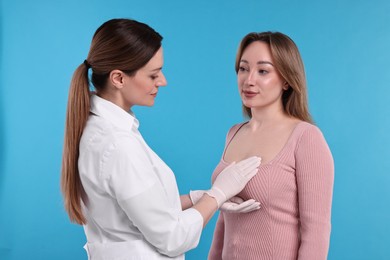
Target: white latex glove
[
  {"x": 238, "y": 205},
  {"x": 233, "y": 179},
  {"x": 195, "y": 195}
]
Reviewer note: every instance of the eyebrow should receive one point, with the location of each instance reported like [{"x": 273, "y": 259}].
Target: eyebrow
[
  {"x": 259, "y": 62},
  {"x": 157, "y": 69}
]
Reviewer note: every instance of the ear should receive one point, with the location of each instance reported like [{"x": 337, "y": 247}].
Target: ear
[
  {"x": 286, "y": 85},
  {"x": 117, "y": 78}
]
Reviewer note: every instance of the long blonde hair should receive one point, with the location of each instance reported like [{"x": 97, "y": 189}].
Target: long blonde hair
[
  {"x": 122, "y": 44},
  {"x": 289, "y": 64}
]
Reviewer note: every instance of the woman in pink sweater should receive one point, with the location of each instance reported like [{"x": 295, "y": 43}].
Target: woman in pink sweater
[{"x": 295, "y": 180}]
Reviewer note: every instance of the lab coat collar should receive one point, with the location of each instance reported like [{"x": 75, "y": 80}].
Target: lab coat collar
[{"x": 113, "y": 113}]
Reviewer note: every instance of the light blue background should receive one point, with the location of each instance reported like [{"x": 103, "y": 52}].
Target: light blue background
[{"x": 345, "y": 47}]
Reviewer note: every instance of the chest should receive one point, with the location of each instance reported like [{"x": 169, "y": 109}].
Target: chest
[
  {"x": 266, "y": 145},
  {"x": 274, "y": 184},
  {"x": 162, "y": 171}
]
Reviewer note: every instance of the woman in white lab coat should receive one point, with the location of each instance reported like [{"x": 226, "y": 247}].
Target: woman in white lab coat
[{"x": 113, "y": 184}]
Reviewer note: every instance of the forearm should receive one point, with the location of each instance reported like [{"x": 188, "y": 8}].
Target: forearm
[
  {"x": 207, "y": 206},
  {"x": 175, "y": 233},
  {"x": 186, "y": 202}
]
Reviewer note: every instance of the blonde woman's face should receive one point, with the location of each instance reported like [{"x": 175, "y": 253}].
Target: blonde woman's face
[
  {"x": 142, "y": 88},
  {"x": 259, "y": 83}
]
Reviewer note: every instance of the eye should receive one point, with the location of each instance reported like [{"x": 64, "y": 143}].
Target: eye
[
  {"x": 263, "y": 72},
  {"x": 153, "y": 77},
  {"x": 241, "y": 68}
]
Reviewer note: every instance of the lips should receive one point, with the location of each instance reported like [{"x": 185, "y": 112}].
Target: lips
[{"x": 249, "y": 94}]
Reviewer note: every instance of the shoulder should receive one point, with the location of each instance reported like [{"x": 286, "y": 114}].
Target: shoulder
[
  {"x": 125, "y": 157},
  {"x": 104, "y": 139},
  {"x": 233, "y": 130},
  {"x": 309, "y": 136},
  {"x": 236, "y": 127},
  {"x": 307, "y": 130},
  {"x": 123, "y": 145}
]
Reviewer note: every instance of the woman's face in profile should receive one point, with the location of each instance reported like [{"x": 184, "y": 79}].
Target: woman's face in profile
[
  {"x": 141, "y": 89},
  {"x": 259, "y": 83}
]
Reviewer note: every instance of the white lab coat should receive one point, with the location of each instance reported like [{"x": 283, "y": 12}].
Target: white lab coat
[{"x": 133, "y": 207}]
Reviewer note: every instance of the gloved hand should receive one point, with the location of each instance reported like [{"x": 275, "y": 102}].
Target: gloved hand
[
  {"x": 195, "y": 195},
  {"x": 233, "y": 179},
  {"x": 238, "y": 205}
]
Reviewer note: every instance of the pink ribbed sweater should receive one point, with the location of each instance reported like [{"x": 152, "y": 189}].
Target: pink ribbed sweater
[{"x": 295, "y": 192}]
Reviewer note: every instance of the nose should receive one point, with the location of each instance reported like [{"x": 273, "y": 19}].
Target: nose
[
  {"x": 250, "y": 80},
  {"x": 162, "y": 81}
]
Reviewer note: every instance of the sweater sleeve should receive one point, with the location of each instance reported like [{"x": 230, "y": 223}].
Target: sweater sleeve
[
  {"x": 315, "y": 176},
  {"x": 217, "y": 243}
]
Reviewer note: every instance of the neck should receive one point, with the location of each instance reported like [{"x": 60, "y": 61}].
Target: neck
[
  {"x": 115, "y": 98},
  {"x": 266, "y": 117}
]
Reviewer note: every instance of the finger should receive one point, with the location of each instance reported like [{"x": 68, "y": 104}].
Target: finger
[
  {"x": 250, "y": 174},
  {"x": 247, "y": 203},
  {"x": 227, "y": 206},
  {"x": 250, "y": 208},
  {"x": 252, "y": 163},
  {"x": 247, "y": 206},
  {"x": 237, "y": 200},
  {"x": 237, "y": 208},
  {"x": 231, "y": 165},
  {"x": 249, "y": 162},
  {"x": 253, "y": 206}
]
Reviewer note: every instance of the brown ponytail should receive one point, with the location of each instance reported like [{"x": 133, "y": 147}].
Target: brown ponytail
[
  {"x": 122, "y": 44},
  {"x": 76, "y": 118}
]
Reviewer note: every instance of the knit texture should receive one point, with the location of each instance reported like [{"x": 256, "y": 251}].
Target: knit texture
[{"x": 295, "y": 192}]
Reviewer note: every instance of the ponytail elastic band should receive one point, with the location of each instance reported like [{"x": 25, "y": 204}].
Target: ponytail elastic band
[{"x": 87, "y": 64}]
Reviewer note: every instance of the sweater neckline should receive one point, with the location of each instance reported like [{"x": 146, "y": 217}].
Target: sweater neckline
[{"x": 280, "y": 153}]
